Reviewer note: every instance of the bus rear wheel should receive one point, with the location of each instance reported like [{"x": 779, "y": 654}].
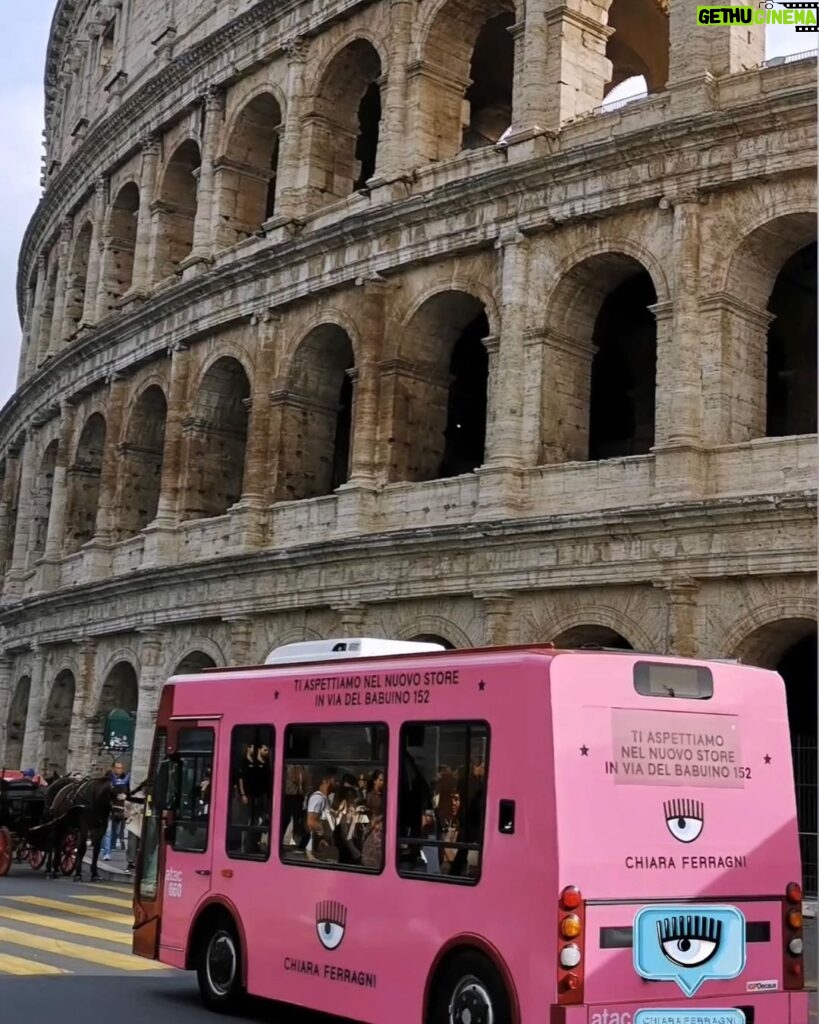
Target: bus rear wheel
[
  {"x": 469, "y": 990},
  {"x": 219, "y": 968}
]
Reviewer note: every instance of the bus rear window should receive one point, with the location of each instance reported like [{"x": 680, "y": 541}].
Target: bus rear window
[{"x": 658, "y": 679}]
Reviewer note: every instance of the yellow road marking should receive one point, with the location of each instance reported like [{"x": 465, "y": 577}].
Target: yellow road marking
[
  {"x": 72, "y": 927},
  {"x": 109, "y": 916},
  {"x": 113, "y": 901},
  {"x": 91, "y": 954},
  {"x": 19, "y": 965}
]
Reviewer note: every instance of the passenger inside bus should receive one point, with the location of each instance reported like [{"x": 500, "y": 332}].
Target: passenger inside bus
[{"x": 251, "y": 792}]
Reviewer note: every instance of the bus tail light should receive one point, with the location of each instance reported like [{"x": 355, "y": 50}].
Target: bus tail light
[
  {"x": 792, "y": 939},
  {"x": 570, "y": 931}
]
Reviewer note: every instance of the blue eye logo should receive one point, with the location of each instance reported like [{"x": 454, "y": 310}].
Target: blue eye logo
[
  {"x": 331, "y": 923},
  {"x": 689, "y": 945},
  {"x": 684, "y": 819}
]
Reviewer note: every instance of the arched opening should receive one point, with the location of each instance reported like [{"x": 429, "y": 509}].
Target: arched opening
[
  {"x": 623, "y": 373},
  {"x": 16, "y": 724},
  {"x": 177, "y": 209},
  {"x": 791, "y": 391},
  {"x": 196, "y": 661},
  {"x": 11, "y": 488},
  {"x": 78, "y": 278},
  {"x": 464, "y": 83},
  {"x": 248, "y": 170},
  {"x": 141, "y": 465},
  {"x": 41, "y": 504},
  {"x": 84, "y": 479},
  {"x": 317, "y": 415},
  {"x": 440, "y": 403},
  {"x": 599, "y": 372},
  {"x": 216, "y": 441},
  {"x": 47, "y": 315},
  {"x": 121, "y": 243},
  {"x": 789, "y": 647},
  {"x": 630, "y": 89},
  {"x": 120, "y": 692},
  {"x": 344, "y": 124},
  {"x": 432, "y": 638},
  {"x": 767, "y": 326},
  {"x": 489, "y": 97},
  {"x": 640, "y": 43},
  {"x": 591, "y": 636},
  {"x": 57, "y": 724}
]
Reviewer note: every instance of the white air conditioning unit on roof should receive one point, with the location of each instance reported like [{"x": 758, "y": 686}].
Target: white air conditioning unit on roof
[{"x": 347, "y": 647}]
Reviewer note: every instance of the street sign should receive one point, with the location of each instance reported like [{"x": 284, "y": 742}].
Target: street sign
[{"x": 118, "y": 736}]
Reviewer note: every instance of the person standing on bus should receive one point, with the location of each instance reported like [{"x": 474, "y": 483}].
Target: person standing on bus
[
  {"x": 473, "y": 818},
  {"x": 318, "y": 809},
  {"x": 294, "y": 800}
]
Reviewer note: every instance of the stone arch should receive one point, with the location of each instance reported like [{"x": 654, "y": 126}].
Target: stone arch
[
  {"x": 141, "y": 465},
  {"x": 56, "y": 725},
  {"x": 198, "y": 645},
  {"x": 601, "y": 353},
  {"x": 465, "y": 76},
  {"x": 640, "y": 43},
  {"x": 580, "y": 623},
  {"x": 120, "y": 689},
  {"x": 216, "y": 440},
  {"x": 769, "y": 341},
  {"x": 16, "y": 723},
  {"x": 317, "y": 414},
  {"x": 248, "y": 169},
  {"x": 343, "y": 122},
  {"x": 41, "y": 503},
  {"x": 788, "y": 645},
  {"x": 436, "y": 626},
  {"x": 47, "y": 315},
  {"x": 591, "y": 636},
  {"x": 194, "y": 661},
  {"x": 120, "y": 243},
  {"x": 437, "y": 389},
  {"x": 84, "y": 480},
  {"x": 177, "y": 209},
  {"x": 432, "y": 638},
  {"x": 10, "y": 469},
  {"x": 77, "y": 283}
]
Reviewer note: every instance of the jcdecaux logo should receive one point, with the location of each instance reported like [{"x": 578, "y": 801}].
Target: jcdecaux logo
[{"x": 803, "y": 16}]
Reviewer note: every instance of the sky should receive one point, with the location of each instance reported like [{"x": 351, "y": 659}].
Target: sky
[{"x": 21, "y": 114}]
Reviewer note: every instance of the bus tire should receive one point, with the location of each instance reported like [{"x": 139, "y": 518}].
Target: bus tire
[
  {"x": 469, "y": 988},
  {"x": 219, "y": 967}
]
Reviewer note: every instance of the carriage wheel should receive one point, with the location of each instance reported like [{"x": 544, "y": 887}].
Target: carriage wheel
[
  {"x": 5, "y": 851},
  {"x": 36, "y": 858},
  {"x": 68, "y": 853},
  {"x": 22, "y": 851}
]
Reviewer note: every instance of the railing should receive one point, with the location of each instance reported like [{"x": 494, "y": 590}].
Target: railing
[
  {"x": 789, "y": 58},
  {"x": 804, "y": 770}
]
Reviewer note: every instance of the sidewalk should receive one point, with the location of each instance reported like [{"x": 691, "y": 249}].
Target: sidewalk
[{"x": 113, "y": 870}]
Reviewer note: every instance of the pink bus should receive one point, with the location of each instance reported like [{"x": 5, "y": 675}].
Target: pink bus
[{"x": 467, "y": 837}]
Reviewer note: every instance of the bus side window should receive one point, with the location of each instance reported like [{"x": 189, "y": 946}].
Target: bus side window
[
  {"x": 250, "y": 796},
  {"x": 442, "y": 800},
  {"x": 335, "y": 793},
  {"x": 195, "y": 758}
]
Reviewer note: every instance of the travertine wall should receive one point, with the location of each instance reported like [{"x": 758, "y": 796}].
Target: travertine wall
[{"x": 244, "y": 368}]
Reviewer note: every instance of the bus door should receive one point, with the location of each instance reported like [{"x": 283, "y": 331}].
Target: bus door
[{"x": 189, "y": 844}]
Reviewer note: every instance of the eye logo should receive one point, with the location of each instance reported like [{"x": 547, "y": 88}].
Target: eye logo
[
  {"x": 685, "y": 819},
  {"x": 689, "y": 944},
  {"x": 331, "y": 923},
  {"x": 689, "y": 940}
]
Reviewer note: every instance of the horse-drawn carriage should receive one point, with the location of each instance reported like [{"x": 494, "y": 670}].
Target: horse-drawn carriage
[{"x": 24, "y": 835}]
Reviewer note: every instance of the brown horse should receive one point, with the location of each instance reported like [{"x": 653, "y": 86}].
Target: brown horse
[{"x": 77, "y": 805}]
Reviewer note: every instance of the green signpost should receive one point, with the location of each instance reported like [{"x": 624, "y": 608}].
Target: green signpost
[{"x": 118, "y": 736}]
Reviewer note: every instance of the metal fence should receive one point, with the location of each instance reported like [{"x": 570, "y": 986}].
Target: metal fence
[{"x": 805, "y": 772}]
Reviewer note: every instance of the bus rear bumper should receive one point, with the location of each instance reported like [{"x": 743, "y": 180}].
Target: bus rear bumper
[{"x": 766, "y": 1008}]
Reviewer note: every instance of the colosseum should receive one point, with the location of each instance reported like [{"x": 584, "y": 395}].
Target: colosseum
[{"x": 371, "y": 317}]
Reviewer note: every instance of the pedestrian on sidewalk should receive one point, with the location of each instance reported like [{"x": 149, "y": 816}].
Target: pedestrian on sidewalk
[{"x": 134, "y": 813}]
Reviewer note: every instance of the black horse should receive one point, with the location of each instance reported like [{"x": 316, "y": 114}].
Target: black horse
[{"x": 76, "y": 805}]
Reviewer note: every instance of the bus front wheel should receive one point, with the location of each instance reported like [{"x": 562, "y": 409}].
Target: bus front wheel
[
  {"x": 469, "y": 990},
  {"x": 219, "y": 968}
]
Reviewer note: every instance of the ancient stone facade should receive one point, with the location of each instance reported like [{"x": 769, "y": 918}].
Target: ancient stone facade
[{"x": 365, "y": 318}]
